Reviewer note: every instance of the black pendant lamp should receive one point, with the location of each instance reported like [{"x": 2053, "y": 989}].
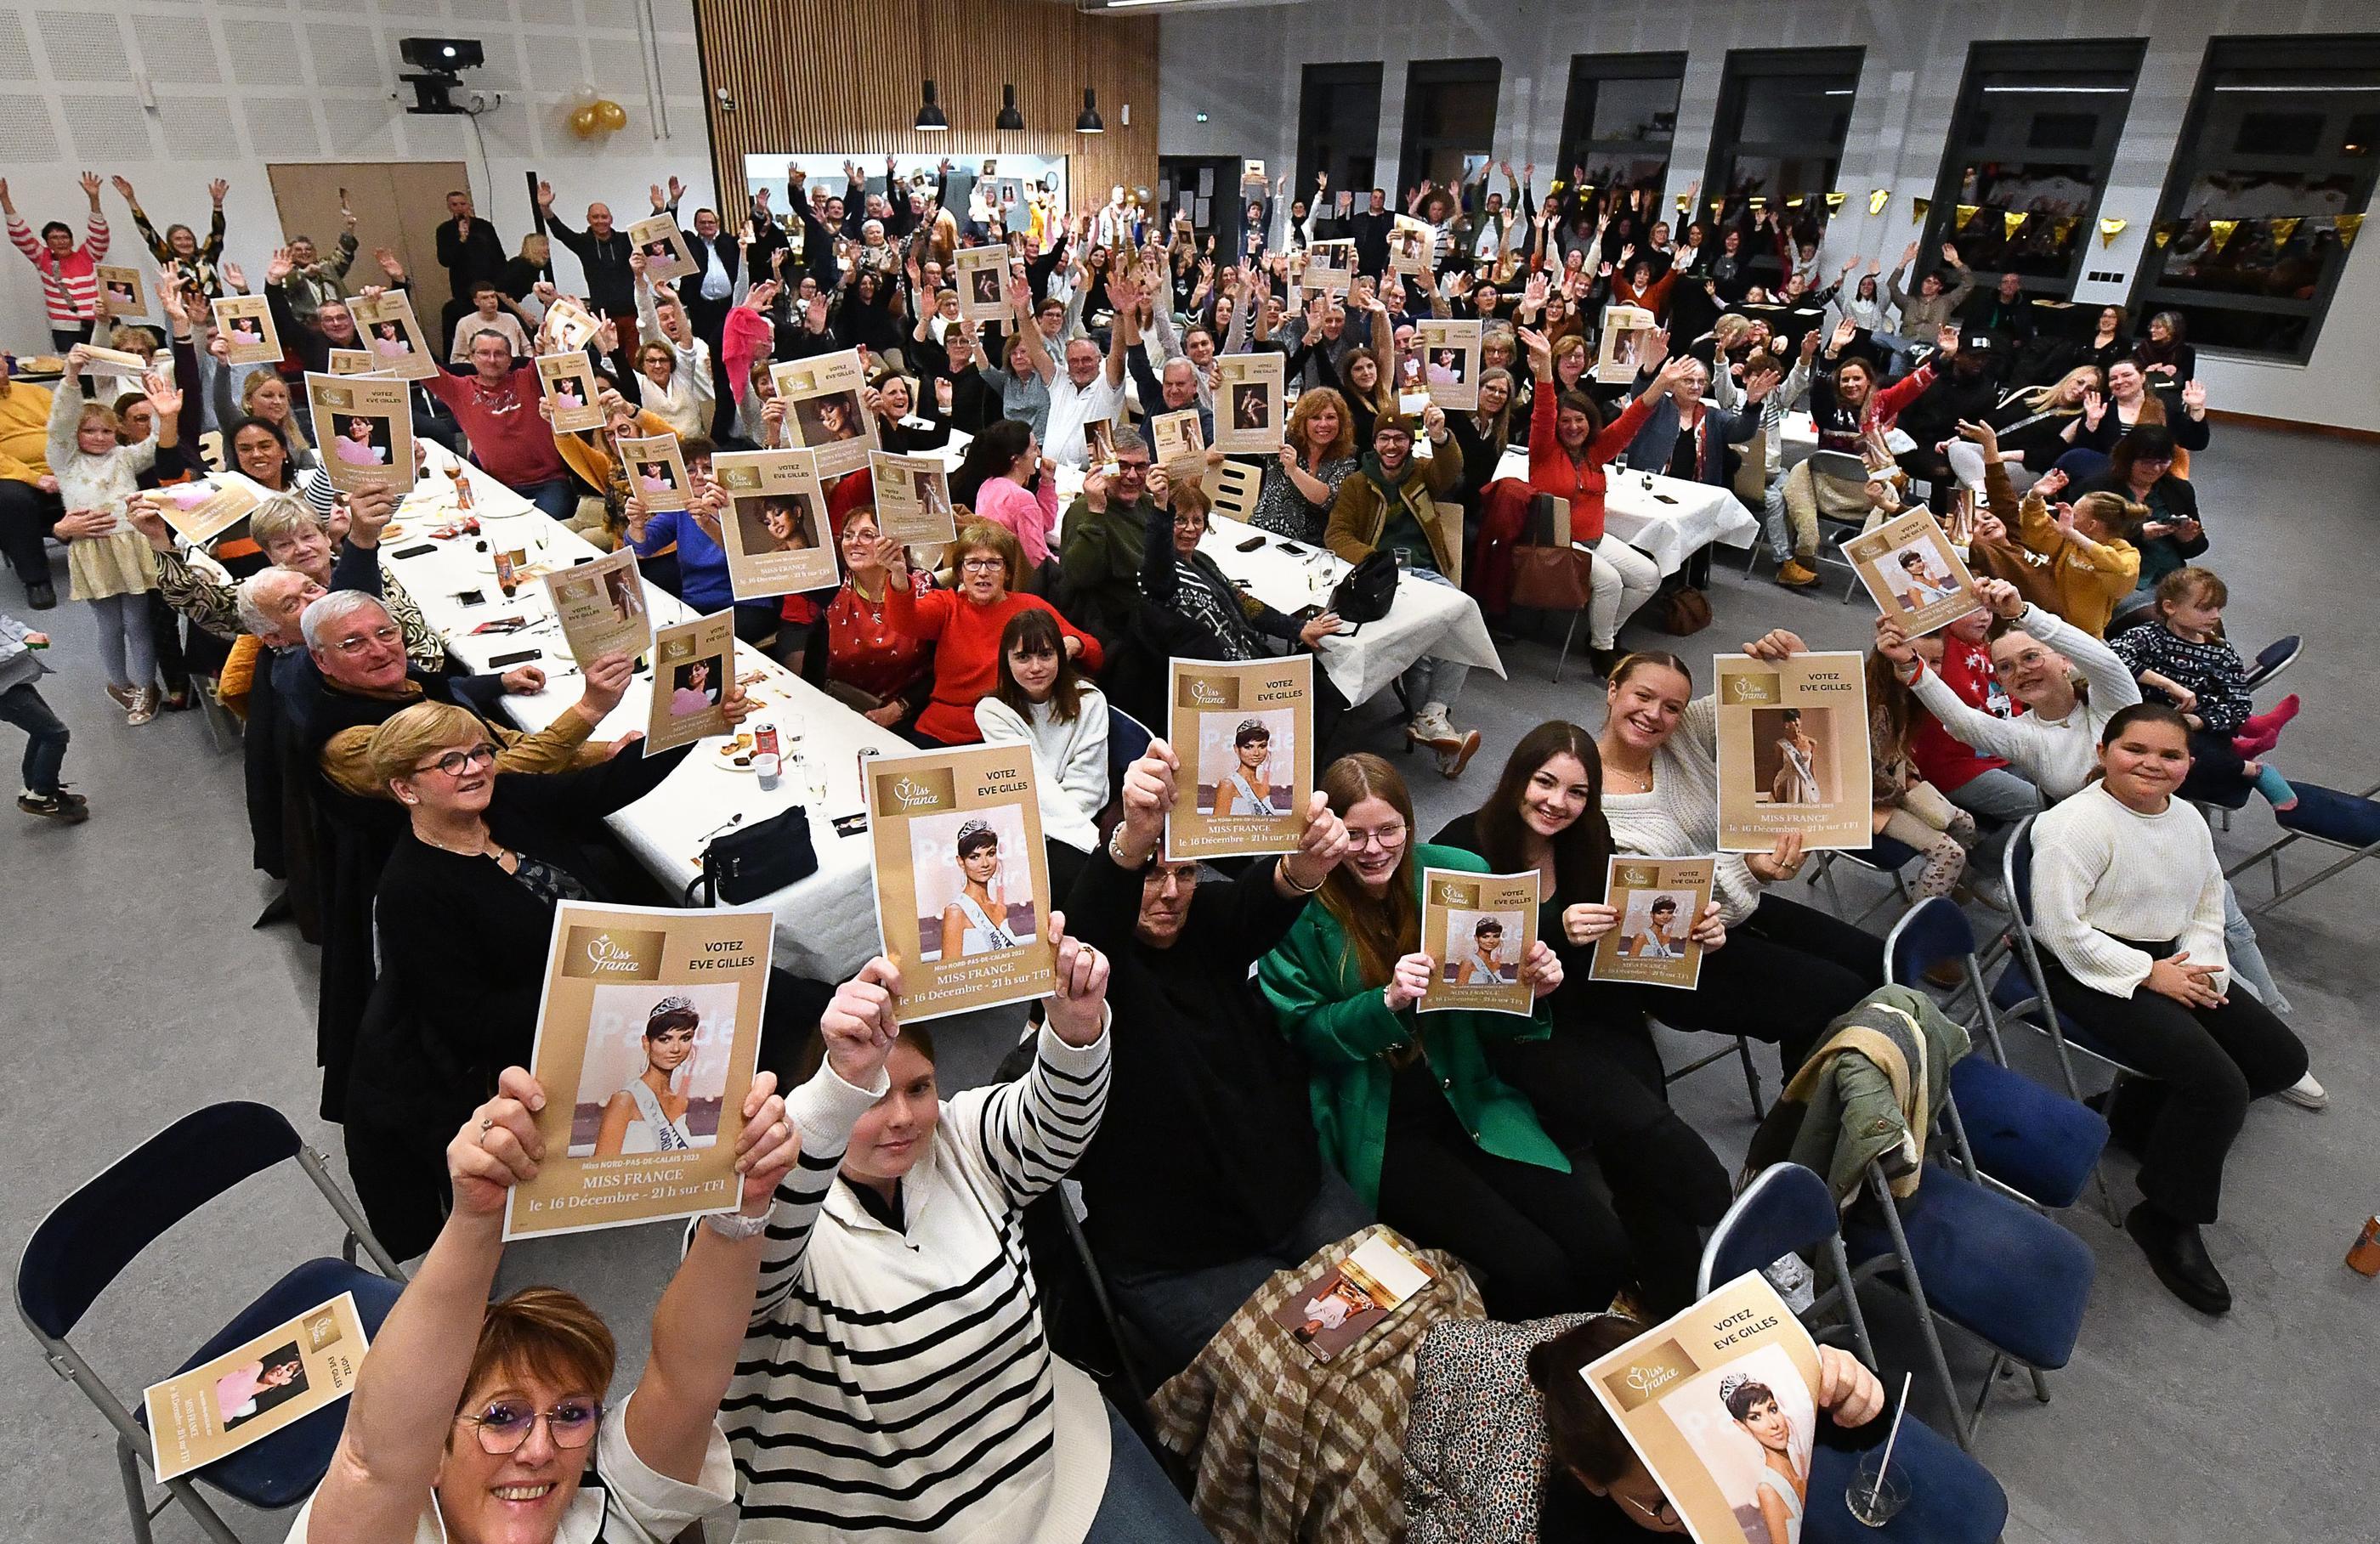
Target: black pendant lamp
[
  {"x": 929, "y": 114},
  {"x": 1088, "y": 123},
  {"x": 1010, "y": 119}
]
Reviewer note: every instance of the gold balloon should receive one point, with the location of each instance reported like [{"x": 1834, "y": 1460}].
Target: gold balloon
[
  {"x": 611, "y": 115},
  {"x": 585, "y": 123}
]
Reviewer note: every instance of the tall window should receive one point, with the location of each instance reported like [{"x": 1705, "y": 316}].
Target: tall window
[
  {"x": 2283, "y": 137},
  {"x": 1339, "y": 127},
  {"x": 2034, "y": 136},
  {"x": 1621, "y": 114},
  {"x": 1783, "y": 116},
  {"x": 1449, "y": 120}
]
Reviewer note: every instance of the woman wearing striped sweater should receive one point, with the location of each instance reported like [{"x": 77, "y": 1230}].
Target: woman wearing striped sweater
[
  {"x": 896, "y": 1382},
  {"x": 69, "y": 273}
]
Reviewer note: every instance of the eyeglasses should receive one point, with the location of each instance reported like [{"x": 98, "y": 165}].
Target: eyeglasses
[
  {"x": 456, "y": 762},
  {"x": 387, "y": 633},
  {"x": 503, "y": 1426},
  {"x": 982, "y": 565},
  {"x": 1389, "y": 836},
  {"x": 1132, "y": 469}
]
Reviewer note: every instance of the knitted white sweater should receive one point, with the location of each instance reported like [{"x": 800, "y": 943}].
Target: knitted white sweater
[
  {"x": 2103, "y": 871},
  {"x": 1679, "y": 817}
]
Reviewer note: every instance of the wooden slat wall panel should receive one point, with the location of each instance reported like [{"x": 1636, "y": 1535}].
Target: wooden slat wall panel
[{"x": 839, "y": 77}]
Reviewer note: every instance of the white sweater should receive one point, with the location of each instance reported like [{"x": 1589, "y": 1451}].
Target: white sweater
[
  {"x": 1070, "y": 762},
  {"x": 2103, "y": 871},
  {"x": 898, "y": 1385},
  {"x": 104, "y": 482},
  {"x": 2056, "y": 755},
  {"x": 1679, "y": 817}
]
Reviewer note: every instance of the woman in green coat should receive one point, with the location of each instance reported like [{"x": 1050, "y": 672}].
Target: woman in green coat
[{"x": 1406, "y": 1108}]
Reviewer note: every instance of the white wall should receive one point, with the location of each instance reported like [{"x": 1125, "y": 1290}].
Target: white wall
[
  {"x": 240, "y": 83},
  {"x": 1242, "y": 68}
]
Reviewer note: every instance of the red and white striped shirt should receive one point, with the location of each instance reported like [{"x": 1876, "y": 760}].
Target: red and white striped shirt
[{"x": 69, "y": 284}]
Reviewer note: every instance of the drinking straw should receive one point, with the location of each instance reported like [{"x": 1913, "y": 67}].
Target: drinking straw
[{"x": 1886, "y": 1462}]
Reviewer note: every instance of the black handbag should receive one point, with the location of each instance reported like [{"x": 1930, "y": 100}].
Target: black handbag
[
  {"x": 755, "y": 861},
  {"x": 1365, "y": 594}
]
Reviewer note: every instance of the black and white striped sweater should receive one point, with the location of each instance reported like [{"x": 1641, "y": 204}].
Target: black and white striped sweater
[{"x": 898, "y": 1385}]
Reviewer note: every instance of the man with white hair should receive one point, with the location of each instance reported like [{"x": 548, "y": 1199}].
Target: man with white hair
[{"x": 1088, "y": 388}]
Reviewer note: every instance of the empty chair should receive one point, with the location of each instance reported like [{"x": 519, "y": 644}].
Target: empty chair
[
  {"x": 2272, "y": 659},
  {"x": 95, "y": 1233},
  {"x": 2348, "y": 822}
]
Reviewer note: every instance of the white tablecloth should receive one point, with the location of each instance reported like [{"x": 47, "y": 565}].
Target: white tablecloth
[
  {"x": 826, "y": 924},
  {"x": 1667, "y": 519}
]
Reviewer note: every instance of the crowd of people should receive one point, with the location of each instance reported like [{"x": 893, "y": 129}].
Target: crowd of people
[{"x": 1231, "y": 1066}]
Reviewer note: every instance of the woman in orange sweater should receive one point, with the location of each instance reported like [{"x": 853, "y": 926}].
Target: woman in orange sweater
[
  {"x": 1568, "y": 447},
  {"x": 965, "y": 625}
]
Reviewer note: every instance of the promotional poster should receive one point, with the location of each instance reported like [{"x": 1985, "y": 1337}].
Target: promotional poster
[
  {"x": 394, "y": 335},
  {"x": 1657, "y": 899},
  {"x": 364, "y": 425},
  {"x": 823, "y": 412},
  {"x": 1245, "y": 736},
  {"x": 1913, "y": 572},
  {"x": 667, "y": 256},
  {"x": 1719, "y": 1403},
  {"x": 199, "y": 511},
  {"x": 1616, "y": 360},
  {"x": 691, "y": 668},
  {"x": 601, "y": 607},
  {"x": 253, "y": 1391},
  {"x": 1178, "y": 444},
  {"x": 250, "y": 337},
  {"x": 1794, "y": 752},
  {"x": 1479, "y": 928},
  {"x": 913, "y": 498},
  {"x": 1450, "y": 352},
  {"x": 647, "y": 1036},
  {"x": 571, "y": 391},
  {"x": 655, "y": 470},
  {"x": 962, "y": 878},
  {"x": 774, "y": 526},
  {"x": 980, "y": 275},
  {"x": 1343, "y": 1304},
  {"x": 1248, "y": 403}
]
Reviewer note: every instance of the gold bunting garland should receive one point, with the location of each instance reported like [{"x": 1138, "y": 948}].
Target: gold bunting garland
[
  {"x": 2223, "y": 229},
  {"x": 2010, "y": 222},
  {"x": 2282, "y": 229},
  {"x": 1919, "y": 209},
  {"x": 2109, "y": 229},
  {"x": 2161, "y": 233},
  {"x": 1877, "y": 198},
  {"x": 2346, "y": 225},
  {"x": 1968, "y": 212},
  {"x": 1835, "y": 200}
]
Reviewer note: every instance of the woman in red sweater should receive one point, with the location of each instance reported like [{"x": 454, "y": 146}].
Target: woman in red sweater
[
  {"x": 964, "y": 625},
  {"x": 1568, "y": 448}
]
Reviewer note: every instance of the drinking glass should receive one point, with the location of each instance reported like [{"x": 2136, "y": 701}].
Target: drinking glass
[{"x": 1876, "y": 1494}]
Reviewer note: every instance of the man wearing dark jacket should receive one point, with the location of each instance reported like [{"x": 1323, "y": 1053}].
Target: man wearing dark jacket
[
  {"x": 602, "y": 252},
  {"x": 1370, "y": 226},
  {"x": 469, "y": 250},
  {"x": 709, "y": 294},
  {"x": 1207, "y": 1179},
  {"x": 1966, "y": 391}
]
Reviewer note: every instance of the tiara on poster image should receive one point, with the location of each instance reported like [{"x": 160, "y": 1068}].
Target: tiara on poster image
[
  {"x": 1249, "y": 729},
  {"x": 971, "y": 828},
  {"x": 672, "y": 1009}
]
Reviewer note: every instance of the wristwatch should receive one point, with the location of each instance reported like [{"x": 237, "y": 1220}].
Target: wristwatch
[{"x": 735, "y": 1225}]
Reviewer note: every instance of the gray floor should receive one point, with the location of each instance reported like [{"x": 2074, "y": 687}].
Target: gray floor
[{"x": 135, "y": 987}]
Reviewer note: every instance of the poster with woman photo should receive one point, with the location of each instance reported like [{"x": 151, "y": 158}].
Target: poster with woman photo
[
  {"x": 256, "y": 1389},
  {"x": 655, "y": 470},
  {"x": 962, "y": 878},
  {"x": 1479, "y": 928},
  {"x": 352, "y": 361},
  {"x": 199, "y": 511},
  {"x": 691, "y": 668},
  {"x": 572, "y": 323},
  {"x": 1247, "y": 734},
  {"x": 1329, "y": 266},
  {"x": 121, "y": 291},
  {"x": 647, "y": 1038},
  {"x": 980, "y": 275},
  {"x": 1247, "y": 404},
  {"x": 666, "y": 254},
  {"x": 601, "y": 607},
  {"x": 774, "y": 527},
  {"x": 1657, "y": 899},
  {"x": 365, "y": 426},
  {"x": 913, "y": 498},
  {"x": 1794, "y": 752},
  {"x": 1450, "y": 352},
  {"x": 1178, "y": 444},
  {"x": 1719, "y": 1403},
  {"x": 1616, "y": 360},
  {"x": 1912, "y": 573},
  {"x": 394, "y": 335},
  {"x": 571, "y": 393},
  {"x": 1411, "y": 246},
  {"x": 823, "y": 412},
  {"x": 250, "y": 337}
]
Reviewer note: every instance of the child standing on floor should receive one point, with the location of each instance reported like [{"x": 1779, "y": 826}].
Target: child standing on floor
[
  {"x": 1910, "y": 810},
  {"x": 2183, "y": 657},
  {"x": 109, "y": 563},
  {"x": 45, "y": 747}
]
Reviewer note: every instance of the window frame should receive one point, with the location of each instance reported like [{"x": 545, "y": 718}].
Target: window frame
[
  {"x": 1985, "y": 59},
  {"x": 1592, "y": 71},
  {"x": 1746, "y": 65},
  {"x": 1331, "y": 76},
  {"x": 1422, "y": 75},
  {"x": 2188, "y": 163}
]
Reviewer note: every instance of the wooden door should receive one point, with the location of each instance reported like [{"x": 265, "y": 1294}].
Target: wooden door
[{"x": 398, "y": 204}]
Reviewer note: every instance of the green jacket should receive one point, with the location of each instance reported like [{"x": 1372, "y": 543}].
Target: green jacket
[
  {"x": 1345, "y": 1029},
  {"x": 1870, "y": 1090},
  {"x": 1099, "y": 565}
]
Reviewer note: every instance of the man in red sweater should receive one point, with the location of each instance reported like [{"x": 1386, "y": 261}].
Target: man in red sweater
[
  {"x": 1980, "y": 785},
  {"x": 496, "y": 405}
]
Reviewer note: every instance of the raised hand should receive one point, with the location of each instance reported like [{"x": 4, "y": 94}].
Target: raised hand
[
  {"x": 769, "y": 1146},
  {"x": 2193, "y": 397},
  {"x": 235, "y": 276},
  {"x": 2004, "y": 599},
  {"x": 861, "y": 1025},
  {"x": 124, "y": 188},
  {"x": 544, "y": 194},
  {"x": 89, "y": 186},
  {"x": 2094, "y": 408},
  {"x": 498, "y": 1146},
  {"x": 1078, "y": 1007},
  {"x": 216, "y": 190},
  {"x": 277, "y": 267}
]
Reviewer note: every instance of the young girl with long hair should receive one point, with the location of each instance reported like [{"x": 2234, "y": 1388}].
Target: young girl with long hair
[
  {"x": 1041, "y": 699},
  {"x": 108, "y": 562}
]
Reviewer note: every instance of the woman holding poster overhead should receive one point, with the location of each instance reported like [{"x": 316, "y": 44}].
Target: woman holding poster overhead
[
  {"x": 1405, "y": 1105},
  {"x": 486, "y": 1423},
  {"x": 465, "y": 910},
  {"x": 965, "y": 625},
  {"x": 1788, "y": 969}
]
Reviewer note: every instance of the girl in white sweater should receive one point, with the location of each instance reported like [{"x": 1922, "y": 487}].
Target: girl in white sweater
[
  {"x": 1788, "y": 969},
  {"x": 108, "y": 562},
  {"x": 1042, "y": 700},
  {"x": 2128, "y": 904}
]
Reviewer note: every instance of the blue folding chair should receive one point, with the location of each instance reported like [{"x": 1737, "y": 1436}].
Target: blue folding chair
[
  {"x": 2274, "y": 658},
  {"x": 1952, "y": 1499},
  {"x": 2349, "y": 822},
  {"x": 2039, "y": 1146},
  {"x": 94, "y": 1234}
]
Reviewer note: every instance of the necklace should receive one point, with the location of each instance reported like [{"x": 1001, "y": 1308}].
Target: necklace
[
  {"x": 1643, "y": 780},
  {"x": 485, "y": 850}
]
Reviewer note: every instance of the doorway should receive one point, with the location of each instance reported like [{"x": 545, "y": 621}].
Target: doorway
[{"x": 398, "y": 204}]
